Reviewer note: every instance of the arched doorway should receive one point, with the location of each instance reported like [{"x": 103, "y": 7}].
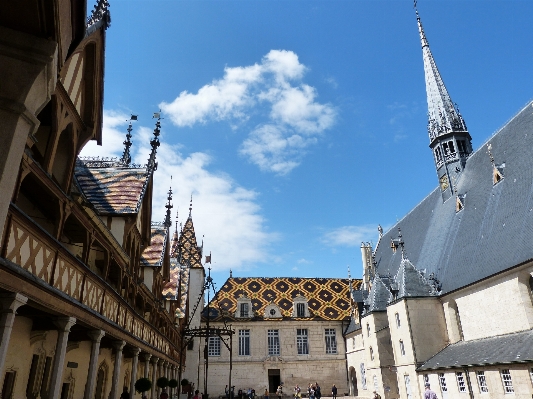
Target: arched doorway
[{"x": 353, "y": 382}]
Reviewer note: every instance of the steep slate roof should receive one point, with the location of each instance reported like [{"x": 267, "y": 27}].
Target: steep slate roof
[
  {"x": 509, "y": 348},
  {"x": 410, "y": 282},
  {"x": 327, "y": 298},
  {"x": 353, "y": 326},
  {"x": 379, "y": 295},
  {"x": 112, "y": 190},
  {"x": 492, "y": 233},
  {"x": 190, "y": 251},
  {"x": 154, "y": 253}
]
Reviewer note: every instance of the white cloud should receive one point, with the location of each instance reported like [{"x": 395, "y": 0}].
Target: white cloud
[
  {"x": 113, "y": 133},
  {"x": 350, "y": 236},
  {"x": 272, "y": 89},
  {"x": 226, "y": 213},
  {"x": 303, "y": 261}
]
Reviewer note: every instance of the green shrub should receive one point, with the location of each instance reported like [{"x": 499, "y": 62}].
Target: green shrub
[
  {"x": 162, "y": 382},
  {"x": 142, "y": 385}
]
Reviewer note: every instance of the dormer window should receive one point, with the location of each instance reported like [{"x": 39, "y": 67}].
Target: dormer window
[
  {"x": 300, "y": 308},
  {"x": 272, "y": 311},
  {"x": 244, "y": 307}
]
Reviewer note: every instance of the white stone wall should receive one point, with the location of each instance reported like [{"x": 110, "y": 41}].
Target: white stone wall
[
  {"x": 252, "y": 371},
  {"x": 496, "y": 306},
  {"x": 196, "y": 282}
]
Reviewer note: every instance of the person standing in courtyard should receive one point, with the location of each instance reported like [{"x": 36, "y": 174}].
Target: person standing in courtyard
[
  {"x": 429, "y": 393},
  {"x": 279, "y": 391},
  {"x": 376, "y": 395},
  {"x": 318, "y": 393},
  {"x": 334, "y": 391},
  {"x": 265, "y": 395}
]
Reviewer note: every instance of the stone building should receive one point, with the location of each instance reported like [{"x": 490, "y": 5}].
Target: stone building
[
  {"x": 82, "y": 265},
  {"x": 446, "y": 297},
  {"x": 287, "y": 330}
]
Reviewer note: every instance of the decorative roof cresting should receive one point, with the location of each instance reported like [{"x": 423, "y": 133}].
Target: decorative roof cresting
[{"x": 99, "y": 18}]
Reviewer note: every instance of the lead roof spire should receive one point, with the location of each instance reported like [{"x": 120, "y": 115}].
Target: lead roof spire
[
  {"x": 126, "y": 156},
  {"x": 448, "y": 136}
]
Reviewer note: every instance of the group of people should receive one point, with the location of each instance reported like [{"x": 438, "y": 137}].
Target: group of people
[{"x": 313, "y": 391}]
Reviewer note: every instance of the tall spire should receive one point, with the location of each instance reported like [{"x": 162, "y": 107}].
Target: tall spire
[{"x": 448, "y": 135}]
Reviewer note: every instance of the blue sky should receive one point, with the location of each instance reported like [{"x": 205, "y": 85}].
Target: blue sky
[{"x": 298, "y": 126}]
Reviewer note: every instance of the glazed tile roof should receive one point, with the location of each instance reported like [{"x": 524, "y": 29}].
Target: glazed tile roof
[
  {"x": 154, "y": 253},
  {"x": 494, "y": 230},
  {"x": 112, "y": 190},
  {"x": 327, "y": 298},
  {"x": 190, "y": 251},
  {"x": 178, "y": 285}
]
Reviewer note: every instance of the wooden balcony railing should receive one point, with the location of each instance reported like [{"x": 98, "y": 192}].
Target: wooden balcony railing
[{"x": 33, "y": 249}]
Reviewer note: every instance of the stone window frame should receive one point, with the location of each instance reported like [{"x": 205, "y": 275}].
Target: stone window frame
[
  {"x": 482, "y": 381},
  {"x": 302, "y": 341},
  {"x": 244, "y": 342},
  {"x": 461, "y": 384},
  {"x": 531, "y": 374},
  {"x": 242, "y": 301},
  {"x": 213, "y": 347},
  {"x": 402, "y": 348},
  {"x": 397, "y": 318},
  {"x": 371, "y": 353},
  {"x": 442, "y": 382},
  {"x": 363, "y": 376},
  {"x": 268, "y": 312},
  {"x": 300, "y": 300},
  {"x": 507, "y": 381},
  {"x": 330, "y": 336},
  {"x": 367, "y": 329},
  {"x": 273, "y": 342}
]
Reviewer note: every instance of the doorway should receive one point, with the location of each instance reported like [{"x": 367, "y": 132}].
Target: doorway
[
  {"x": 274, "y": 380},
  {"x": 353, "y": 382}
]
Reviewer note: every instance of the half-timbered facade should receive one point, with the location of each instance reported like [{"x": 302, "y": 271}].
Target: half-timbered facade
[{"x": 82, "y": 265}]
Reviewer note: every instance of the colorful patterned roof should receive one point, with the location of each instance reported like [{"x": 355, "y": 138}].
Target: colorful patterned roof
[
  {"x": 112, "y": 190},
  {"x": 178, "y": 285},
  {"x": 327, "y": 298},
  {"x": 154, "y": 253},
  {"x": 190, "y": 251}
]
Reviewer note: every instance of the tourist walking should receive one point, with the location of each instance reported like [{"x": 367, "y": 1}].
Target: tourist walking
[
  {"x": 334, "y": 391},
  {"x": 318, "y": 394},
  {"x": 297, "y": 391},
  {"x": 429, "y": 394},
  {"x": 279, "y": 392}
]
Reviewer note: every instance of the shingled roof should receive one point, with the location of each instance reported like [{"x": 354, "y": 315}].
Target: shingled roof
[
  {"x": 327, "y": 298},
  {"x": 154, "y": 253},
  {"x": 494, "y": 229},
  {"x": 178, "y": 285},
  {"x": 112, "y": 190},
  {"x": 190, "y": 253}
]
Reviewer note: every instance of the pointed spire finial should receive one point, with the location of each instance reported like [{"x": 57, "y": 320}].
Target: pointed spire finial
[
  {"x": 230, "y": 274},
  {"x": 401, "y": 243},
  {"x": 190, "y": 207},
  {"x": 177, "y": 217},
  {"x": 169, "y": 206},
  {"x": 126, "y": 156},
  {"x": 154, "y": 143}
]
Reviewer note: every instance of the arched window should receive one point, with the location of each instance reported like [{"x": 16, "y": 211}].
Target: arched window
[{"x": 371, "y": 353}]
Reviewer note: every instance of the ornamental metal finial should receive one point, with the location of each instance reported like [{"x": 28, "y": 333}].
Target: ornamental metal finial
[
  {"x": 154, "y": 143},
  {"x": 169, "y": 206},
  {"x": 99, "y": 17},
  {"x": 190, "y": 207},
  {"x": 177, "y": 214},
  {"x": 126, "y": 156}
]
